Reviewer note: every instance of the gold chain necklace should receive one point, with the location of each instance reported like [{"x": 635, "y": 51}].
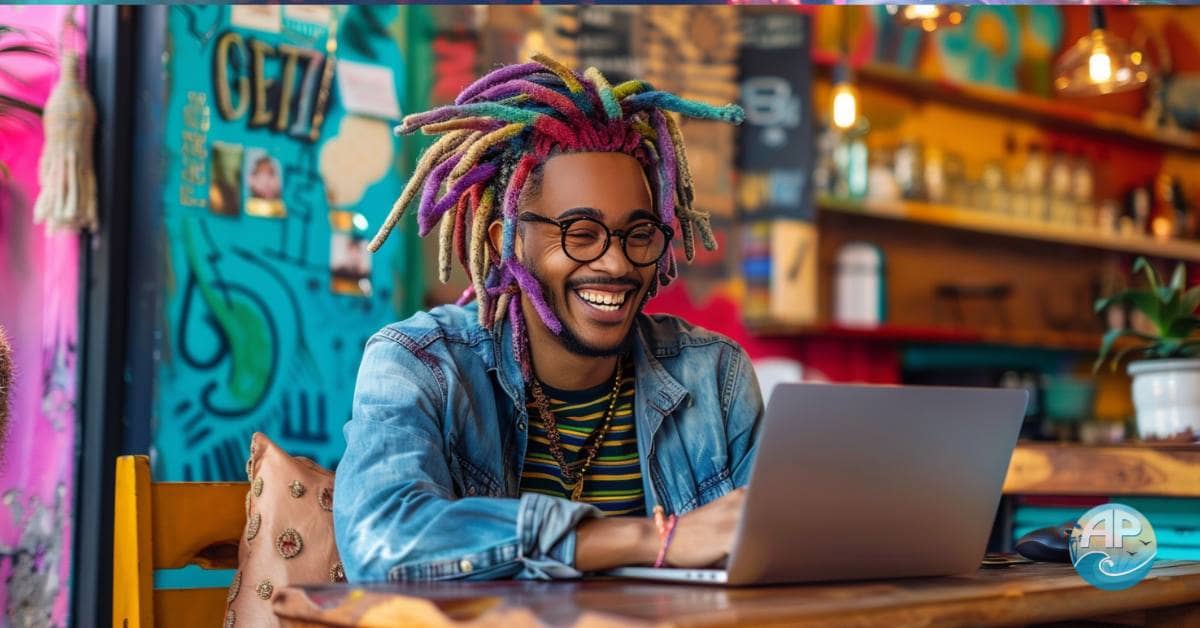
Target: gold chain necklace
[{"x": 590, "y": 448}]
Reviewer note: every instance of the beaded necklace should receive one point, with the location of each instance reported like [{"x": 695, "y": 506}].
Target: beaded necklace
[{"x": 590, "y": 447}]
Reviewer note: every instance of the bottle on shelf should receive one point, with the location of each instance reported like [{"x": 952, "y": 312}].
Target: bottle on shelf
[
  {"x": 909, "y": 168},
  {"x": 1083, "y": 192},
  {"x": 936, "y": 183},
  {"x": 1014, "y": 169},
  {"x": 993, "y": 191},
  {"x": 1061, "y": 208},
  {"x": 1035, "y": 183},
  {"x": 1162, "y": 213},
  {"x": 1183, "y": 214},
  {"x": 1136, "y": 220}
]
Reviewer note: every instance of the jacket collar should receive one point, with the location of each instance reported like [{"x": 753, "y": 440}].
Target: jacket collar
[{"x": 655, "y": 385}]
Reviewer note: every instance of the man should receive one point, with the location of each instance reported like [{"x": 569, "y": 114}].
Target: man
[{"x": 531, "y": 433}]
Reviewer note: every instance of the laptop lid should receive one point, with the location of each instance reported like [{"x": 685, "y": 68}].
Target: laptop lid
[{"x": 855, "y": 482}]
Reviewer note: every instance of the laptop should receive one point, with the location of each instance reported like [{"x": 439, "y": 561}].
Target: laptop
[{"x": 866, "y": 482}]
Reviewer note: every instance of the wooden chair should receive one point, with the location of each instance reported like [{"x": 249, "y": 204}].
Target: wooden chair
[{"x": 168, "y": 525}]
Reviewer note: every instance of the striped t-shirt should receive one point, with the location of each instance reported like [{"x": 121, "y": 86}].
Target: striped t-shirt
[{"x": 614, "y": 481}]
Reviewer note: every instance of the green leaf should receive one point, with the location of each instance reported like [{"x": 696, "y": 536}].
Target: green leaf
[
  {"x": 1190, "y": 301},
  {"x": 1142, "y": 265},
  {"x": 1179, "y": 278},
  {"x": 1183, "y": 326},
  {"x": 1166, "y": 348},
  {"x": 1106, "y": 345},
  {"x": 1147, "y": 304},
  {"x": 1123, "y": 353}
]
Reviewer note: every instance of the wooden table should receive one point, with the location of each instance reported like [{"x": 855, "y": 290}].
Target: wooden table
[{"x": 1021, "y": 594}]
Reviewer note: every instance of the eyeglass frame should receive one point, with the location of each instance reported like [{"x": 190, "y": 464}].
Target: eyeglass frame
[{"x": 564, "y": 225}]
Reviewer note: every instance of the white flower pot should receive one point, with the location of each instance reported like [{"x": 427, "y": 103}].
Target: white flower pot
[{"x": 1166, "y": 394}]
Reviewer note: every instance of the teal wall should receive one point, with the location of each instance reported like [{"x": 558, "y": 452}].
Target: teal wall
[{"x": 252, "y": 336}]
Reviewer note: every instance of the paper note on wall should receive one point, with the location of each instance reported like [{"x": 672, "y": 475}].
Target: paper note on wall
[
  {"x": 261, "y": 17},
  {"x": 368, "y": 90}
]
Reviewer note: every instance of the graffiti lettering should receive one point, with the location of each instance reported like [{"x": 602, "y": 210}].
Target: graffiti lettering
[{"x": 242, "y": 85}]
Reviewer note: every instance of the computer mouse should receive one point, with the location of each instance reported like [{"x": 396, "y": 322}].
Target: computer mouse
[{"x": 1048, "y": 545}]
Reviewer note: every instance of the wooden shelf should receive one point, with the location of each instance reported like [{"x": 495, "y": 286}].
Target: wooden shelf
[
  {"x": 1061, "y": 114},
  {"x": 1036, "y": 339},
  {"x": 1134, "y": 469},
  {"x": 982, "y": 222}
]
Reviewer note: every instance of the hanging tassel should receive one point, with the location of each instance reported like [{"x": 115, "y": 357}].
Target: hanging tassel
[{"x": 67, "y": 199}]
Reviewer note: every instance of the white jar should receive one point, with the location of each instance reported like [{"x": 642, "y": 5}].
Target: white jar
[{"x": 1166, "y": 394}]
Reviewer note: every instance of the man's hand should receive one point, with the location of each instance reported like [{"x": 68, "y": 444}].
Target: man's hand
[{"x": 704, "y": 536}]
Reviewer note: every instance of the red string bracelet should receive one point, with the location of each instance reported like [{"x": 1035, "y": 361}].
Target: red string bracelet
[{"x": 666, "y": 541}]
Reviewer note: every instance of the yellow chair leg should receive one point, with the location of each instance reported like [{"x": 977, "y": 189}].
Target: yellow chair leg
[{"x": 133, "y": 571}]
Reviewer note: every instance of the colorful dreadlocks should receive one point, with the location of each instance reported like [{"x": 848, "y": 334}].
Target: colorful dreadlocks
[{"x": 494, "y": 139}]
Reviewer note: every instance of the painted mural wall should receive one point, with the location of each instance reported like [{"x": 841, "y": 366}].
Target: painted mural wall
[
  {"x": 281, "y": 164},
  {"x": 39, "y": 283}
]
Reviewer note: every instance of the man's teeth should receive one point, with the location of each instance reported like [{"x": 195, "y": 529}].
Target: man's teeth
[{"x": 608, "y": 301}]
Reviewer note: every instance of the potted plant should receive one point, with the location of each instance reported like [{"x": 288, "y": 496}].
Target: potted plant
[{"x": 1166, "y": 380}]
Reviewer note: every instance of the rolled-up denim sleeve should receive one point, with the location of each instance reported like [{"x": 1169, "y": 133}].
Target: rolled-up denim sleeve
[
  {"x": 744, "y": 416},
  {"x": 396, "y": 515}
]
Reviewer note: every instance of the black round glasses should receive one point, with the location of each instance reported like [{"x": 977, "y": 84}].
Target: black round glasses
[{"x": 586, "y": 239}]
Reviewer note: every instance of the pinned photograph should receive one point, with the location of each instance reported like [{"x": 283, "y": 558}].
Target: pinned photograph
[
  {"x": 264, "y": 184},
  {"x": 349, "y": 260},
  {"x": 225, "y": 179}
]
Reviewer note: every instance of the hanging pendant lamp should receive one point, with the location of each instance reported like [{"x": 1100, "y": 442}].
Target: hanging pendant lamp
[{"x": 1100, "y": 63}]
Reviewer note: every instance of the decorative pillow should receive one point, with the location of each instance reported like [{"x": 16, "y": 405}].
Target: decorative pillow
[{"x": 289, "y": 532}]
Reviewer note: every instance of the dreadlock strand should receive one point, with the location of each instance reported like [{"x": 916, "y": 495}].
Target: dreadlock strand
[
  {"x": 612, "y": 108},
  {"x": 424, "y": 165},
  {"x": 458, "y": 188},
  {"x": 500, "y": 306},
  {"x": 519, "y": 338},
  {"x": 629, "y": 88},
  {"x": 533, "y": 291},
  {"x": 466, "y": 206},
  {"x": 685, "y": 170},
  {"x": 478, "y": 259},
  {"x": 501, "y": 75},
  {"x": 691, "y": 108},
  {"x": 560, "y": 70},
  {"x": 512, "y": 196},
  {"x": 445, "y": 231},
  {"x": 667, "y": 172},
  {"x": 425, "y": 216},
  {"x": 474, "y": 123},
  {"x": 481, "y": 145},
  {"x": 687, "y": 236}
]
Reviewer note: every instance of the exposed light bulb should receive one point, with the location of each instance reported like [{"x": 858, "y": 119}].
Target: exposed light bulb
[
  {"x": 1100, "y": 66},
  {"x": 921, "y": 11},
  {"x": 845, "y": 106}
]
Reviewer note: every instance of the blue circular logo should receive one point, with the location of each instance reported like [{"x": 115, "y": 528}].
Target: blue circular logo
[{"x": 1113, "y": 547}]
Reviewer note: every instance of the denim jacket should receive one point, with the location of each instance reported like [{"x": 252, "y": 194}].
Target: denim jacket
[{"x": 429, "y": 486}]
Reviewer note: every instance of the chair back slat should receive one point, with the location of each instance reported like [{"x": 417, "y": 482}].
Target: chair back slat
[
  {"x": 190, "y": 608},
  {"x": 198, "y": 523},
  {"x": 169, "y": 525}
]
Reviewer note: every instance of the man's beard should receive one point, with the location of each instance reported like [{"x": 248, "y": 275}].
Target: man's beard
[{"x": 569, "y": 339}]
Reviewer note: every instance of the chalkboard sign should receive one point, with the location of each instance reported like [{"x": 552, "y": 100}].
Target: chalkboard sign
[
  {"x": 775, "y": 148},
  {"x": 603, "y": 36}
]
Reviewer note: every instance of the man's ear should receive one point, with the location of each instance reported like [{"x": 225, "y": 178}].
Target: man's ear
[{"x": 496, "y": 237}]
